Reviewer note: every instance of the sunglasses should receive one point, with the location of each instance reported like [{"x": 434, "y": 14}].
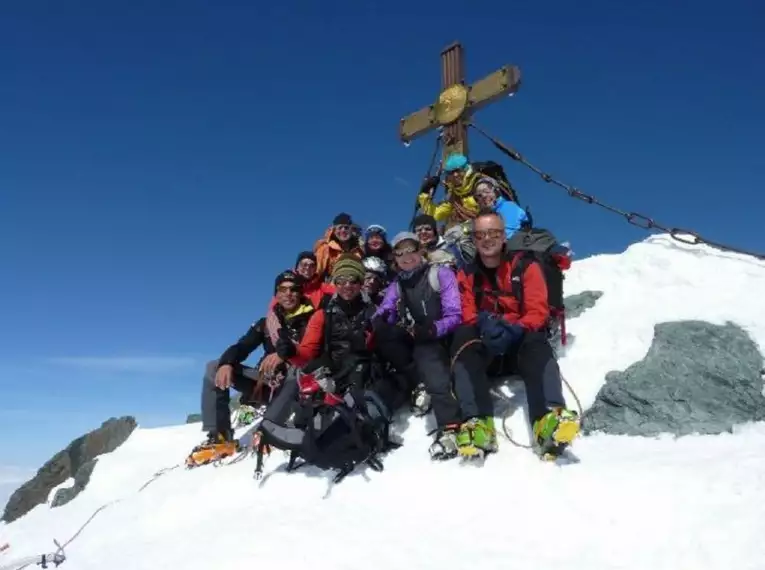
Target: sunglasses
[
  {"x": 343, "y": 281},
  {"x": 343, "y": 228},
  {"x": 404, "y": 251},
  {"x": 423, "y": 229},
  {"x": 288, "y": 289},
  {"x": 492, "y": 233}
]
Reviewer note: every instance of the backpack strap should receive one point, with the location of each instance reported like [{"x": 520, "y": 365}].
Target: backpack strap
[
  {"x": 521, "y": 263},
  {"x": 433, "y": 281}
]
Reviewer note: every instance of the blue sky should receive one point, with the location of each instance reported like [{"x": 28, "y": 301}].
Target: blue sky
[{"x": 161, "y": 161}]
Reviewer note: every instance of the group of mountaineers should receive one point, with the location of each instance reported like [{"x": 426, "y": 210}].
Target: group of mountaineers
[{"x": 364, "y": 326}]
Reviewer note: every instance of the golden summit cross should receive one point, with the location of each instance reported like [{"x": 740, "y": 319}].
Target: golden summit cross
[{"x": 457, "y": 101}]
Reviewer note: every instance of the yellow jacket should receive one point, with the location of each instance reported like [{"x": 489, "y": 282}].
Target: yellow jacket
[{"x": 443, "y": 211}]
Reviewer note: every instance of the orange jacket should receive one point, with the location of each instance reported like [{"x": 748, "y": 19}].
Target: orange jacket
[
  {"x": 327, "y": 249},
  {"x": 500, "y": 301}
]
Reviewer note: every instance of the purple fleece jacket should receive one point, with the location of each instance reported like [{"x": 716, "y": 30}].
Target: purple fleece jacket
[{"x": 451, "y": 306}]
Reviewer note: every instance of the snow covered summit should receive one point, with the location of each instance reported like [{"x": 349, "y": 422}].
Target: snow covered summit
[{"x": 630, "y": 502}]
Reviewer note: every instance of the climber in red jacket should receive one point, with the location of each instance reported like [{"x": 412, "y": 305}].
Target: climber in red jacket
[{"x": 505, "y": 313}]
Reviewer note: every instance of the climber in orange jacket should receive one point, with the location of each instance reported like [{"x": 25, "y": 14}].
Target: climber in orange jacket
[{"x": 340, "y": 238}]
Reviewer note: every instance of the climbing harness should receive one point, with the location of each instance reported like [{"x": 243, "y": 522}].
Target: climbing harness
[{"x": 685, "y": 236}]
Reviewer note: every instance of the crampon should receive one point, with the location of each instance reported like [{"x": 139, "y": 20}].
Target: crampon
[{"x": 211, "y": 452}]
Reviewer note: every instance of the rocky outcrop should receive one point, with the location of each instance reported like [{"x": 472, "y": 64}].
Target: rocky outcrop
[
  {"x": 579, "y": 303},
  {"x": 696, "y": 378},
  {"x": 193, "y": 418},
  {"x": 81, "y": 479},
  {"x": 76, "y": 461}
]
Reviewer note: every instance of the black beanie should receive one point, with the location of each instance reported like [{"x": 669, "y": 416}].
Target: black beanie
[
  {"x": 425, "y": 220},
  {"x": 305, "y": 255},
  {"x": 342, "y": 219},
  {"x": 288, "y": 275}
]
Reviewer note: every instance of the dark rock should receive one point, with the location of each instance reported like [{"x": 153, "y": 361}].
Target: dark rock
[
  {"x": 78, "y": 455},
  {"x": 696, "y": 378},
  {"x": 81, "y": 479},
  {"x": 193, "y": 418},
  {"x": 579, "y": 303}
]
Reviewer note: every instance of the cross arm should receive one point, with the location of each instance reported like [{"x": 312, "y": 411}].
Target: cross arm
[
  {"x": 418, "y": 124},
  {"x": 502, "y": 82}
]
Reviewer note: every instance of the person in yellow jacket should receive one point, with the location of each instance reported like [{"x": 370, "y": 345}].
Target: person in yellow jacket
[
  {"x": 339, "y": 238},
  {"x": 460, "y": 203}
]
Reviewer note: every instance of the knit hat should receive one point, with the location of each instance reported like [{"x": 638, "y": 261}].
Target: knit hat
[
  {"x": 425, "y": 220},
  {"x": 305, "y": 255},
  {"x": 286, "y": 276},
  {"x": 348, "y": 265},
  {"x": 375, "y": 229},
  {"x": 454, "y": 162},
  {"x": 404, "y": 236},
  {"x": 342, "y": 219}
]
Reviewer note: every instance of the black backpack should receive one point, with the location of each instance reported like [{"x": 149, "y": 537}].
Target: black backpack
[
  {"x": 532, "y": 245},
  {"x": 324, "y": 429},
  {"x": 497, "y": 172}
]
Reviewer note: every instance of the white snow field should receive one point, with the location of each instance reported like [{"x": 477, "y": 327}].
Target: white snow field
[{"x": 690, "y": 503}]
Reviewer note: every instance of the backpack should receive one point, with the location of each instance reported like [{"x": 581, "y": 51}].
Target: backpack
[
  {"x": 433, "y": 281},
  {"x": 460, "y": 244},
  {"x": 324, "y": 429},
  {"x": 540, "y": 246},
  {"x": 497, "y": 172}
]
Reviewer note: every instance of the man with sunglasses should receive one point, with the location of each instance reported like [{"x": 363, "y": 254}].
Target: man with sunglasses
[
  {"x": 341, "y": 238},
  {"x": 505, "y": 318},
  {"x": 285, "y": 324},
  {"x": 412, "y": 328},
  {"x": 338, "y": 339}
]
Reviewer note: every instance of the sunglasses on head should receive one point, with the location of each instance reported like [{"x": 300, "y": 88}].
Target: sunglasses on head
[
  {"x": 491, "y": 233},
  {"x": 342, "y": 281},
  {"x": 288, "y": 289}
]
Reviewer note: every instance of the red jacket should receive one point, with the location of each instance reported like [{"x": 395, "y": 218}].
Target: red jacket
[
  {"x": 313, "y": 290},
  {"x": 501, "y": 302},
  {"x": 312, "y": 343}
]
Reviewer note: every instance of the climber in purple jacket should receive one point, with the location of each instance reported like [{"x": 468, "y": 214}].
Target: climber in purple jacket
[{"x": 413, "y": 327}]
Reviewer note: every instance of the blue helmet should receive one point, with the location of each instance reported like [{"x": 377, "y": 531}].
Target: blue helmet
[{"x": 454, "y": 162}]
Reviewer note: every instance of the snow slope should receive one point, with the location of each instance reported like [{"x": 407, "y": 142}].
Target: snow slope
[{"x": 630, "y": 503}]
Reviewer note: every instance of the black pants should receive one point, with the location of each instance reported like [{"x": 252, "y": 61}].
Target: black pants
[
  {"x": 216, "y": 414},
  {"x": 532, "y": 359},
  {"x": 426, "y": 362}
]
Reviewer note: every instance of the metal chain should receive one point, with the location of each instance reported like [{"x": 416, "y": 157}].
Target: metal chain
[{"x": 636, "y": 219}]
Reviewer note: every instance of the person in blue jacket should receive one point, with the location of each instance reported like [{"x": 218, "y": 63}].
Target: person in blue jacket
[{"x": 487, "y": 195}]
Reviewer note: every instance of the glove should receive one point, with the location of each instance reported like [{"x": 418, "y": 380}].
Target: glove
[
  {"x": 497, "y": 334},
  {"x": 376, "y": 322},
  {"x": 358, "y": 342},
  {"x": 430, "y": 184},
  {"x": 422, "y": 333},
  {"x": 285, "y": 348}
]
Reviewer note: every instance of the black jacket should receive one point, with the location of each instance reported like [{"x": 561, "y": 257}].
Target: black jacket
[{"x": 257, "y": 335}]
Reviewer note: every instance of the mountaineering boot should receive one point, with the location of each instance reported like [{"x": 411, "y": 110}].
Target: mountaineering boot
[
  {"x": 420, "y": 401},
  {"x": 555, "y": 431},
  {"x": 477, "y": 437},
  {"x": 444, "y": 445},
  {"x": 217, "y": 447}
]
